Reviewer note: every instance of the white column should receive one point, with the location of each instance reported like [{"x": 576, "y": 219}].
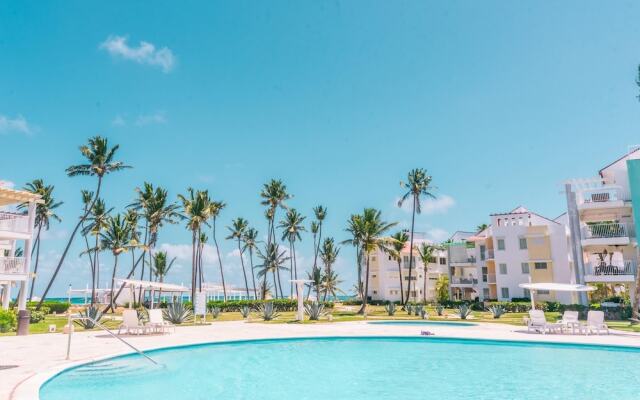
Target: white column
[
  {"x": 6, "y": 296},
  {"x": 300, "y": 316},
  {"x": 22, "y": 298}
]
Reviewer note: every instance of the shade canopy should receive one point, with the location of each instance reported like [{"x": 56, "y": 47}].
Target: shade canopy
[
  {"x": 557, "y": 287},
  {"x": 150, "y": 285}
]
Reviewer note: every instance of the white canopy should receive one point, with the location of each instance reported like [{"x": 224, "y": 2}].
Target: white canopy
[
  {"x": 150, "y": 285},
  {"x": 557, "y": 287}
]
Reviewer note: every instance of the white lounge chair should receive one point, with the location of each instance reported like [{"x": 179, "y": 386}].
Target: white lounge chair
[
  {"x": 538, "y": 323},
  {"x": 157, "y": 322},
  {"x": 570, "y": 320},
  {"x": 595, "y": 323},
  {"x": 131, "y": 324}
]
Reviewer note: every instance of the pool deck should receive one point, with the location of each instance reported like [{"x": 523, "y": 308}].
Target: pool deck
[{"x": 38, "y": 357}]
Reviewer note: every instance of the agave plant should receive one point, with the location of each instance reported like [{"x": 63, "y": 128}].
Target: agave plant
[
  {"x": 215, "y": 312},
  {"x": 464, "y": 311},
  {"x": 245, "y": 311},
  {"x": 496, "y": 311},
  {"x": 268, "y": 311},
  {"x": 424, "y": 314},
  {"x": 417, "y": 310},
  {"x": 92, "y": 312},
  {"x": 177, "y": 313},
  {"x": 315, "y": 310},
  {"x": 440, "y": 309},
  {"x": 409, "y": 309},
  {"x": 390, "y": 308}
]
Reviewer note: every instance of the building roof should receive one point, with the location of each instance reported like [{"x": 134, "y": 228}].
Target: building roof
[
  {"x": 11, "y": 196},
  {"x": 524, "y": 210},
  {"x": 619, "y": 159}
]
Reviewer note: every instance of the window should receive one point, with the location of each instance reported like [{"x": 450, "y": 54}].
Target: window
[
  {"x": 527, "y": 293},
  {"x": 485, "y": 293},
  {"x": 484, "y": 274},
  {"x": 406, "y": 278},
  {"x": 523, "y": 243},
  {"x": 540, "y": 265},
  {"x": 500, "y": 244},
  {"x": 405, "y": 259},
  {"x": 525, "y": 268},
  {"x": 503, "y": 269},
  {"x": 443, "y": 261},
  {"x": 543, "y": 292},
  {"x": 505, "y": 292},
  {"x": 389, "y": 258},
  {"x": 432, "y": 260},
  {"x": 482, "y": 251}
]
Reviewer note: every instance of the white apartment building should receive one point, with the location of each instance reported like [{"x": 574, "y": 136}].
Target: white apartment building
[
  {"x": 384, "y": 276},
  {"x": 16, "y": 230},
  {"x": 600, "y": 215},
  {"x": 464, "y": 269},
  {"x": 521, "y": 246}
]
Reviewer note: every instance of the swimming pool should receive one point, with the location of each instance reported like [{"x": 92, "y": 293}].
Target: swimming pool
[
  {"x": 414, "y": 322},
  {"x": 358, "y": 368}
]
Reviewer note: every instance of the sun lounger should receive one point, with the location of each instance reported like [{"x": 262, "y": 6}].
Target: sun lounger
[
  {"x": 538, "y": 323},
  {"x": 131, "y": 324},
  {"x": 570, "y": 320},
  {"x": 157, "y": 322},
  {"x": 595, "y": 323}
]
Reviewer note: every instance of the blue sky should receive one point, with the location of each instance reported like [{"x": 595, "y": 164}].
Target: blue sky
[{"x": 500, "y": 101}]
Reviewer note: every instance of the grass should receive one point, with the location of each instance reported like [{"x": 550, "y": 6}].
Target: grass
[{"x": 339, "y": 314}]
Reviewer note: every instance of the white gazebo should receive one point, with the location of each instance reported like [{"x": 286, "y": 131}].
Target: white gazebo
[
  {"x": 554, "y": 287},
  {"x": 152, "y": 287}
]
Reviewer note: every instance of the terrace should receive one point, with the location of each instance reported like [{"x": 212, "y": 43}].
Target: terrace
[
  {"x": 607, "y": 233},
  {"x": 13, "y": 223}
]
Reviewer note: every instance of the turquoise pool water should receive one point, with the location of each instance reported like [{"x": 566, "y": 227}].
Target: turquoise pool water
[
  {"x": 358, "y": 369},
  {"x": 432, "y": 323}
]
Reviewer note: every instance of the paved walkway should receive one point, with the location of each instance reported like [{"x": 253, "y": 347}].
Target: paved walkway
[{"x": 37, "y": 357}]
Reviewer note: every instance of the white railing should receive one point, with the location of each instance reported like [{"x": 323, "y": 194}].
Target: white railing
[
  {"x": 490, "y": 254},
  {"x": 12, "y": 265},
  {"x": 606, "y": 230},
  {"x": 12, "y": 222},
  {"x": 627, "y": 267},
  {"x": 602, "y": 195},
  {"x": 456, "y": 280},
  {"x": 462, "y": 260}
]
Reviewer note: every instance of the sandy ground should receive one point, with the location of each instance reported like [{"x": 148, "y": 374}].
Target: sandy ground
[{"x": 37, "y": 357}]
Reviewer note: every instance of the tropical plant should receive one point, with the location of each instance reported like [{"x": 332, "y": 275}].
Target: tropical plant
[
  {"x": 273, "y": 260},
  {"x": 440, "y": 310},
  {"x": 424, "y": 314},
  {"x": 315, "y": 310},
  {"x": 418, "y": 184},
  {"x": 368, "y": 233},
  {"x": 291, "y": 227},
  {"x": 268, "y": 311},
  {"x": 96, "y": 222},
  {"x": 36, "y": 316},
  {"x": 408, "y": 308},
  {"x": 354, "y": 227},
  {"x": 320, "y": 213},
  {"x": 426, "y": 251},
  {"x": 316, "y": 279},
  {"x": 250, "y": 244},
  {"x": 8, "y": 320},
  {"x": 481, "y": 227},
  {"x": 89, "y": 316},
  {"x": 117, "y": 239},
  {"x": 496, "y": 311},
  {"x": 100, "y": 162},
  {"x": 442, "y": 288},
  {"x": 44, "y": 213},
  {"x": 330, "y": 284},
  {"x": 215, "y": 312},
  {"x": 245, "y": 311},
  {"x": 400, "y": 240},
  {"x": 274, "y": 194},
  {"x": 177, "y": 313},
  {"x": 390, "y": 308},
  {"x": 160, "y": 267},
  {"x": 464, "y": 311},
  {"x": 196, "y": 208},
  {"x": 418, "y": 309},
  {"x": 237, "y": 231},
  {"x": 329, "y": 254},
  {"x": 214, "y": 212}
]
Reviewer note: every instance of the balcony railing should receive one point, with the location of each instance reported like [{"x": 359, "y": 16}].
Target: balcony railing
[
  {"x": 606, "y": 230},
  {"x": 490, "y": 254},
  {"x": 12, "y": 222},
  {"x": 601, "y": 195},
  {"x": 462, "y": 260},
  {"x": 491, "y": 278},
  {"x": 12, "y": 265},
  {"x": 628, "y": 267},
  {"x": 463, "y": 281}
]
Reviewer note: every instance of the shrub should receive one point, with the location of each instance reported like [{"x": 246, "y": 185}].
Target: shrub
[
  {"x": 92, "y": 312},
  {"x": 409, "y": 309},
  {"x": 440, "y": 310},
  {"x": 496, "y": 311},
  {"x": 417, "y": 310},
  {"x": 36, "y": 316},
  {"x": 390, "y": 308},
  {"x": 464, "y": 311},
  {"x": 315, "y": 310},
  {"x": 268, "y": 311},
  {"x": 8, "y": 321},
  {"x": 177, "y": 313},
  {"x": 245, "y": 311},
  {"x": 51, "y": 306},
  {"x": 281, "y": 305},
  {"x": 215, "y": 312}
]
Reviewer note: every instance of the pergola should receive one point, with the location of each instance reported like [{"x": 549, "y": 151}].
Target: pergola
[
  {"x": 86, "y": 293},
  {"x": 215, "y": 291},
  {"x": 152, "y": 287},
  {"x": 554, "y": 287}
]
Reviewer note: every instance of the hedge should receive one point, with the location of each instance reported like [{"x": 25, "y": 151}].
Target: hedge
[
  {"x": 279, "y": 304},
  {"x": 52, "y": 306}
]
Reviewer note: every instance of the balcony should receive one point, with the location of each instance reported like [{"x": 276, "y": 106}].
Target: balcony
[
  {"x": 606, "y": 196},
  {"x": 491, "y": 254},
  {"x": 461, "y": 281},
  {"x": 491, "y": 278},
  {"x": 13, "y": 223},
  {"x": 12, "y": 266},
  {"x": 607, "y": 233},
  {"x": 462, "y": 260},
  {"x": 624, "y": 271}
]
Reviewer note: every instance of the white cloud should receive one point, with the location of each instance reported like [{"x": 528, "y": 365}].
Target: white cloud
[
  {"x": 145, "y": 53},
  {"x": 182, "y": 252},
  {"x": 18, "y": 124},
  {"x": 157, "y": 117},
  {"x": 7, "y": 184},
  {"x": 439, "y": 205},
  {"x": 118, "y": 121},
  {"x": 437, "y": 235}
]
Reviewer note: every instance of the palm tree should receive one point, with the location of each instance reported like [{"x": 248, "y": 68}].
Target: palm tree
[
  {"x": 368, "y": 234},
  {"x": 426, "y": 251},
  {"x": 330, "y": 284},
  {"x": 160, "y": 267},
  {"x": 100, "y": 162},
  {"x": 481, "y": 227},
  {"x": 274, "y": 194},
  {"x": 250, "y": 244},
  {"x": 320, "y": 213},
  {"x": 116, "y": 238},
  {"x": 316, "y": 278},
  {"x": 328, "y": 255},
  {"x": 196, "y": 207},
  {"x": 272, "y": 262},
  {"x": 355, "y": 226},
  {"x": 418, "y": 184},
  {"x": 291, "y": 226},
  {"x": 401, "y": 238},
  {"x": 202, "y": 241},
  {"x": 87, "y": 198},
  {"x": 237, "y": 231},
  {"x": 214, "y": 211},
  {"x": 45, "y": 211},
  {"x": 97, "y": 221}
]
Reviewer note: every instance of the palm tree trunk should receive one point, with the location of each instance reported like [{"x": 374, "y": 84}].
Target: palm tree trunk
[
  {"x": 366, "y": 288},
  {"x": 93, "y": 270},
  {"x": 295, "y": 266},
  {"x": 66, "y": 249},
  {"x": 35, "y": 268},
  {"x": 253, "y": 277},
  {"x": 193, "y": 266},
  {"x": 133, "y": 270},
  {"x": 244, "y": 272},
  {"x": 424, "y": 290},
  {"x": 413, "y": 220},
  {"x": 275, "y": 284},
  {"x": 215, "y": 241},
  {"x": 291, "y": 269},
  {"x": 401, "y": 285},
  {"x": 113, "y": 283},
  {"x": 144, "y": 254},
  {"x": 96, "y": 262}
]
